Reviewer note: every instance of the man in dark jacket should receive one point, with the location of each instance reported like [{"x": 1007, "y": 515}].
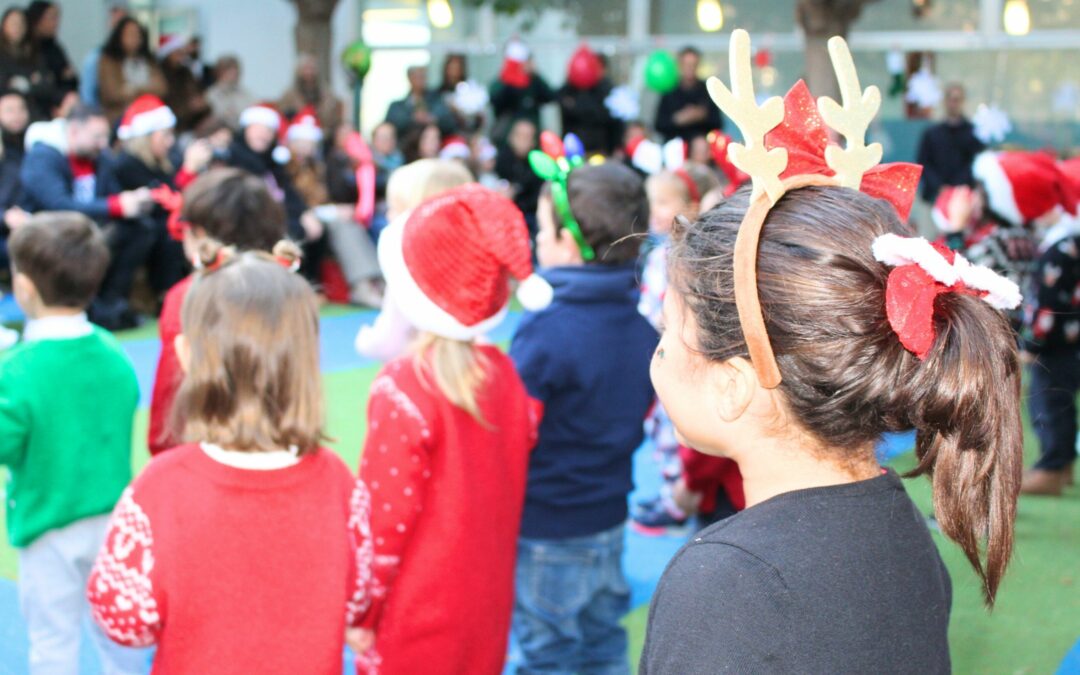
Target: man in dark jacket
[
  {"x": 585, "y": 113},
  {"x": 65, "y": 170},
  {"x": 947, "y": 150},
  {"x": 420, "y": 107},
  {"x": 688, "y": 111}
]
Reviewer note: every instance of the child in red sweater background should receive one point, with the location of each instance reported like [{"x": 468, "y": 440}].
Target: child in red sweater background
[
  {"x": 271, "y": 532},
  {"x": 450, "y": 427},
  {"x": 232, "y": 208}
]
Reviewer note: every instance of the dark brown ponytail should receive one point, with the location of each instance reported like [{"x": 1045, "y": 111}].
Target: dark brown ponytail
[{"x": 846, "y": 377}]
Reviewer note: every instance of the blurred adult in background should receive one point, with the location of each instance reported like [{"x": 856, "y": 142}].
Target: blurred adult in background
[
  {"x": 687, "y": 111},
  {"x": 309, "y": 89},
  {"x": 455, "y": 72},
  {"x": 14, "y": 118},
  {"x": 66, "y": 169},
  {"x": 88, "y": 76},
  {"x": 512, "y": 165},
  {"x": 227, "y": 97},
  {"x": 421, "y": 107},
  {"x": 947, "y": 149},
  {"x": 184, "y": 94},
  {"x": 585, "y": 113},
  {"x": 203, "y": 72},
  {"x": 127, "y": 69},
  {"x": 21, "y": 68},
  {"x": 422, "y": 142},
  {"x": 519, "y": 92},
  {"x": 43, "y": 20},
  {"x": 146, "y": 160}
]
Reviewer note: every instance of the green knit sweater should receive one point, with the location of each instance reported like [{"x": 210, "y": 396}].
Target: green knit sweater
[{"x": 66, "y": 412}]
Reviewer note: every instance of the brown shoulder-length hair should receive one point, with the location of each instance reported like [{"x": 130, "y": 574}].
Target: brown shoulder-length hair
[
  {"x": 253, "y": 380},
  {"x": 846, "y": 377}
]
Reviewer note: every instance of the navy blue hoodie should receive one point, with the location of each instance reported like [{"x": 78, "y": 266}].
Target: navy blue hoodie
[{"x": 586, "y": 357}]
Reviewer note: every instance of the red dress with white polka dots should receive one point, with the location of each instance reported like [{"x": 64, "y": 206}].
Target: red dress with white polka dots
[{"x": 447, "y": 493}]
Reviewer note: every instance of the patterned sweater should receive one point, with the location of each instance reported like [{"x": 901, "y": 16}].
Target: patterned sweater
[
  {"x": 249, "y": 570},
  {"x": 1052, "y": 308},
  {"x": 447, "y": 494}
]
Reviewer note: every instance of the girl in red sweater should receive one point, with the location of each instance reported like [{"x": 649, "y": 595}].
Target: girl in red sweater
[
  {"x": 232, "y": 208},
  {"x": 266, "y": 558},
  {"x": 450, "y": 428}
]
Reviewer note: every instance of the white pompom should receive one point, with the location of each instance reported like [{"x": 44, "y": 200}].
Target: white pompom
[
  {"x": 281, "y": 154},
  {"x": 535, "y": 293}
]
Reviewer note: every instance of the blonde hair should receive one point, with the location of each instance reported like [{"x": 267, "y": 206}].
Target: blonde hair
[
  {"x": 253, "y": 380},
  {"x": 139, "y": 148},
  {"x": 415, "y": 182},
  {"x": 458, "y": 369}
]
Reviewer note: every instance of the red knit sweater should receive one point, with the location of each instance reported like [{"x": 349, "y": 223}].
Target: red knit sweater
[
  {"x": 169, "y": 375},
  {"x": 248, "y": 571},
  {"x": 447, "y": 494}
]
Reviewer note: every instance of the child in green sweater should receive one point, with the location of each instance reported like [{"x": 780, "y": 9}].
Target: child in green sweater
[{"x": 67, "y": 400}]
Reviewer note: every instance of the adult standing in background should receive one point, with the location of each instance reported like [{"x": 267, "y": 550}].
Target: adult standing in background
[
  {"x": 127, "y": 69},
  {"x": 88, "y": 77},
  {"x": 184, "y": 96},
  {"x": 420, "y": 108},
  {"x": 947, "y": 149},
  {"x": 585, "y": 113},
  {"x": 519, "y": 92},
  {"x": 454, "y": 72},
  {"x": 43, "y": 19},
  {"x": 688, "y": 112},
  {"x": 21, "y": 69},
  {"x": 227, "y": 97},
  {"x": 309, "y": 89}
]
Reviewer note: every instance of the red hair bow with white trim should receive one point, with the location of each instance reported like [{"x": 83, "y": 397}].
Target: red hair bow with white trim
[{"x": 923, "y": 271}]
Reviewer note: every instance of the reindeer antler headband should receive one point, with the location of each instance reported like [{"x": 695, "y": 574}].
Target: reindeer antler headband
[{"x": 786, "y": 147}]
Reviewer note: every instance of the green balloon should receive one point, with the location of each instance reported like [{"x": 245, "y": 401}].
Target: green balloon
[
  {"x": 543, "y": 165},
  {"x": 661, "y": 72},
  {"x": 357, "y": 59}
]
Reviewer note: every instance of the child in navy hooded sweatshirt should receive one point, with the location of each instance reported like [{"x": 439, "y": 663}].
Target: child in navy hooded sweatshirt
[{"x": 586, "y": 357}]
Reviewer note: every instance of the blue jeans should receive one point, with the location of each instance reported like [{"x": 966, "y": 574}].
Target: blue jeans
[{"x": 570, "y": 596}]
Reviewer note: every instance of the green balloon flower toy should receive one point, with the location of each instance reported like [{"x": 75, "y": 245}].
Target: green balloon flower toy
[{"x": 553, "y": 163}]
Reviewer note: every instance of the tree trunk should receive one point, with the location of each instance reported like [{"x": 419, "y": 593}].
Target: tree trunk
[
  {"x": 820, "y": 20},
  {"x": 313, "y": 34}
]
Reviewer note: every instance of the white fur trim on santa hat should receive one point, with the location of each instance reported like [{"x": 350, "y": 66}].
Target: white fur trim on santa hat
[
  {"x": 516, "y": 50},
  {"x": 158, "y": 119},
  {"x": 260, "y": 114},
  {"x": 674, "y": 154},
  {"x": 999, "y": 189},
  {"x": 170, "y": 44},
  {"x": 304, "y": 130},
  {"x": 420, "y": 310}
]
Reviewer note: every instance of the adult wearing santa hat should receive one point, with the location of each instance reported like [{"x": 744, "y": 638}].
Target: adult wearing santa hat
[
  {"x": 450, "y": 427},
  {"x": 147, "y": 159},
  {"x": 255, "y": 150},
  {"x": 519, "y": 92}
]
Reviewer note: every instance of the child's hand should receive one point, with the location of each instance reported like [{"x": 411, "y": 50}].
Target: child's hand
[{"x": 359, "y": 640}]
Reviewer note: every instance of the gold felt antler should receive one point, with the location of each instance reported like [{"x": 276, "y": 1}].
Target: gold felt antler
[
  {"x": 851, "y": 120},
  {"x": 754, "y": 121}
]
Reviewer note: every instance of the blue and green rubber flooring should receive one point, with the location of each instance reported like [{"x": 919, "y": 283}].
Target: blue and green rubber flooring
[{"x": 1033, "y": 629}]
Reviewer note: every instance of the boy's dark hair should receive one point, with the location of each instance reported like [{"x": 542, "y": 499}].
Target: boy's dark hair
[
  {"x": 236, "y": 209},
  {"x": 64, "y": 254},
  {"x": 609, "y": 203}
]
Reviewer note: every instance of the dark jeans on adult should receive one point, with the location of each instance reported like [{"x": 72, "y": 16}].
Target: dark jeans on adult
[
  {"x": 129, "y": 241},
  {"x": 570, "y": 595},
  {"x": 1054, "y": 381}
]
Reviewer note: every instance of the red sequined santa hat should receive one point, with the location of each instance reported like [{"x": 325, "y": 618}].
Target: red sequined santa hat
[
  {"x": 1023, "y": 186},
  {"x": 145, "y": 115},
  {"x": 448, "y": 265},
  {"x": 305, "y": 126}
]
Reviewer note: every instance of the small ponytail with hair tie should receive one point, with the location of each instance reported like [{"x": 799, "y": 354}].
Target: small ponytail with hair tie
[
  {"x": 288, "y": 254},
  {"x": 211, "y": 255}
]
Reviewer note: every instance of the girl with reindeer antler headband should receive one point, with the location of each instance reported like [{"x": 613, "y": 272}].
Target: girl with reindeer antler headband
[{"x": 803, "y": 322}]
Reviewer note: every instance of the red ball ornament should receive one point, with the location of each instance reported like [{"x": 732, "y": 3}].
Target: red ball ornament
[{"x": 585, "y": 69}]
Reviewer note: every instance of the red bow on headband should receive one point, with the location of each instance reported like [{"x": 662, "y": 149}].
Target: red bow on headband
[
  {"x": 923, "y": 271},
  {"x": 805, "y": 136},
  {"x": 173, "y": 202}
]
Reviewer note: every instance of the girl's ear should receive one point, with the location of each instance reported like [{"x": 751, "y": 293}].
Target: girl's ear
[
  {"x": 734, "y": 384},
  {"x": 183, "y": 352}
]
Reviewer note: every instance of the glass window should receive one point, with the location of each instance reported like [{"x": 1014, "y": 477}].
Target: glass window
[
  {"x": 929, "y": 15},
  {"x": 1054, "y": 14},
  {"x": 679, "y": 17}
]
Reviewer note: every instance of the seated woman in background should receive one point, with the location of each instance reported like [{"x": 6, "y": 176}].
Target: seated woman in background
[{"x": 127, "y": 69}]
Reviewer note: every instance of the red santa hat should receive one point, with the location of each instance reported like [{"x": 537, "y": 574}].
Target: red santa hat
[
  {"x": 1023, "y": 186},
  {"x": 170, "y": 43},
  {"x": 952, "y": 208},
  {"x": 305, "y": 126},
  {"x": 448, "y": 264},
  {"x": 145, "y": 115},
  {"x": 514, "y": 72},
  {"x": 455, "y": 147}
]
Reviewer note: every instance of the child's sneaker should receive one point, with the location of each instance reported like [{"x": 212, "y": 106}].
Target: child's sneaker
[{"x": 655, "y": 517}]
